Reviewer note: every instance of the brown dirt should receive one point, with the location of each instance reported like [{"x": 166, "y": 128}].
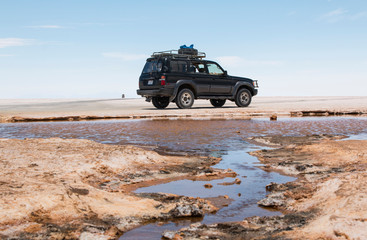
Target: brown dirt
[
  {"x": 66, "y": 189},
  {"x": 339, "y": 193},
  {"x": 328, "y": 201}
]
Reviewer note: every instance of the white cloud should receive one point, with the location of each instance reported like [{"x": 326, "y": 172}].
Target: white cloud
[
  {"x": 125, "y": 56},
  {"x": 337, "y": 12},
  {"x": 335, "y": 15},
  {"x": 47, "y": 26},
  {"x": 342, "y": 14},
  {"x": 236, "y": 61},
  {"x": 358, "y": 16},
  {"x": 292, "y": 13},
  {"x": 14, "y": 42}
]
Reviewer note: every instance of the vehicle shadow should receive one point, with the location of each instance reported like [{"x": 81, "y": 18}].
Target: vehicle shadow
[{"x": 193, "y": 108}]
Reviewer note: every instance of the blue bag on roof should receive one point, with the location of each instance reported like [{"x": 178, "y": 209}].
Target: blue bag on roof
[
  {"x": 184, "y": 46},
  {"x": 188, "y": 50}
]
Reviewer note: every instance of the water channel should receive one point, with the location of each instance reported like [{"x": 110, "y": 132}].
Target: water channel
[
  {"x": 245, "y": 195},
  {"x": 225, "y": 138}
]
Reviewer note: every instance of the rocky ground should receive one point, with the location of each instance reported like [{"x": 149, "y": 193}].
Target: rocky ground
[
  {"x": 328, "y": 201},
  {"x": 66, "y": 189}
]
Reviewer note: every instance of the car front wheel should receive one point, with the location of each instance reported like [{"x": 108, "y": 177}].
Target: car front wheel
[
  {"x": 185, "y": 98},
  {"x": 217, "y": 102},
  {"x": 160, "y": 102},
  {"x": 243, "y": 98}
]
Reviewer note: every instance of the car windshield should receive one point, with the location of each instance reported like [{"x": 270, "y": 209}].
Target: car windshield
[{"x": 152, "y": 66}]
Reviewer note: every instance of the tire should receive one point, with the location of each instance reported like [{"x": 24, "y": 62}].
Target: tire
[
  {"x": 243, "y": 98},
  {"x": 217, "y": 102},
  {"x": 185, "y": 98},
  {"x": 160, "y": 102}
]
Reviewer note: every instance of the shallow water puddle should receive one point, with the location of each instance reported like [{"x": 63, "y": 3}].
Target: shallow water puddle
[
  {"x": 244, "y": 195},
  {"x": 360, "y": 136},
  {"x": 188, "y": 136}
]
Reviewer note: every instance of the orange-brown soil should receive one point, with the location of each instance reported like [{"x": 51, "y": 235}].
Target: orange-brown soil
[
  {"x": 327, "y": 201},
  {"x": 65, "y": 189}
]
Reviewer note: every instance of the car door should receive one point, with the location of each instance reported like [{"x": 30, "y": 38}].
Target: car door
[
  {"x": 220, "y": 83},
  {"x": 199, "y": 75}
]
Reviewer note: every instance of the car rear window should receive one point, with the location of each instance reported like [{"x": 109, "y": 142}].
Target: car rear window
[{"x": 152, "y": 66}]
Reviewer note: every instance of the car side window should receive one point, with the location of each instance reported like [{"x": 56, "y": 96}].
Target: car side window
[
  {"x": 197, "y": 68},
  {"x": 214, "y": 69},
  {"x": 178, "y": 66}
]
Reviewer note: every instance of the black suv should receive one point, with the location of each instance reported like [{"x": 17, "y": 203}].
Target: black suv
[{"x": 182, "y": 76}]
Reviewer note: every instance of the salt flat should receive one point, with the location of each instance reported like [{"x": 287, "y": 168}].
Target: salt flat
[{"x": 128, "y": 108}]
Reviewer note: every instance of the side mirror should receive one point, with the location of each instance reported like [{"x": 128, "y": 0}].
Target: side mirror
[{"x": 225, "y": 73}]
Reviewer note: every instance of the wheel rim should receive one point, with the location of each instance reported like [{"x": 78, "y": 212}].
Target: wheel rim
[
  {"x": 244, "y": 97},
  {"x": 186, "y": 98}
]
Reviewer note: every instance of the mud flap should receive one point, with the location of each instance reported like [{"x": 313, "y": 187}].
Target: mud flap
[{"x": 172, "y": 98}]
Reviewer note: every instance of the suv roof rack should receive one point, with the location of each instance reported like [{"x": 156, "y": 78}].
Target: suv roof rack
[{"x": 175, "y": 54}]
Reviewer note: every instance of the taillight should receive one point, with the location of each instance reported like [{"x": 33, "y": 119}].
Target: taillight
[{"x": 163, "y": 80}]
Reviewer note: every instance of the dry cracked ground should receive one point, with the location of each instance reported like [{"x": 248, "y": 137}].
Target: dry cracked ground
[{"x": 69, "y": 189}]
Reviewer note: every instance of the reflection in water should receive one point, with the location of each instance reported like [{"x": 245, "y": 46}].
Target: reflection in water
[{"x": 184, "y": 135}]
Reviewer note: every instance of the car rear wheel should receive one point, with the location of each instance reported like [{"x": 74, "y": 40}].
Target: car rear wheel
[
  {"x": 217, "y": 102},
  {"x": 243, "y": 97},
  {"x": 185, "y": 98},
  {"x": 160, "y": 102}
]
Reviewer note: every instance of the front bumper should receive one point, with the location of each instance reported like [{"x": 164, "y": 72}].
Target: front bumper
[
  {"x": 255, "y": 91},
  {"x": 161, "y": 92}
]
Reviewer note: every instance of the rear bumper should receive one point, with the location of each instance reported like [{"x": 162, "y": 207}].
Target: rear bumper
[{"x": 161, "y": 92}]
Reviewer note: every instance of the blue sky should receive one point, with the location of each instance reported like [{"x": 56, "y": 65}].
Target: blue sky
[{"x": 67, "y": 49}]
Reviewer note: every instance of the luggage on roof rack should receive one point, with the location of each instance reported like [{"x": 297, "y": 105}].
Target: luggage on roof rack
[
  {"x": 181, "y": 53},
  {"x": 188, "y": 51}
]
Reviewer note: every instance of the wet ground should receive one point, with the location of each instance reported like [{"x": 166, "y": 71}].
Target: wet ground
[
  {"x": 243, "y": 195},
  {"x": 83, "y": 109},
  {"x": 227, "y": 138},
  {"x": 195, "y": 136}
]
